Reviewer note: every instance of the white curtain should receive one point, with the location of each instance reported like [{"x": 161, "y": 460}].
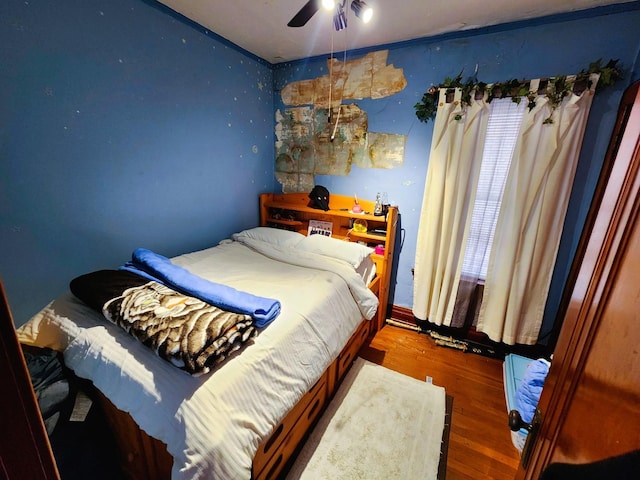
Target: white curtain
[
  {"x": 531, "y": 218},
  {"x": 504, "y": 122},
  {"x": 452, "y": 177}
]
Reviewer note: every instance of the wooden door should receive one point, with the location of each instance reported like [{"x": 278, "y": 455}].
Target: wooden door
[
  {"x": 590, "y": 405},
  {"x": 25, "y": 452}
]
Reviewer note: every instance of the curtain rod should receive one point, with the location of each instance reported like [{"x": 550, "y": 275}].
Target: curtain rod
[{"x": 580, "y": 84}]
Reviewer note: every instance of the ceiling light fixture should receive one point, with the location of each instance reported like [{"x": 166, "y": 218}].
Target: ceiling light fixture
[
  {"x": 309, "y": 9},
  {"x": 363, "y": 11},
  {"x": 328, "y": 4},
  {"x": 340, "y": 17}
]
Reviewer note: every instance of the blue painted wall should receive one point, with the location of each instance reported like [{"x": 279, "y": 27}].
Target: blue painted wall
[
  {"x": 558, "y": 45},
  {"x": 121, "y": 125}
]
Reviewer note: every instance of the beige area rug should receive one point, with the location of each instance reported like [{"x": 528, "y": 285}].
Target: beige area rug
[{"x": 380, "y": 425}]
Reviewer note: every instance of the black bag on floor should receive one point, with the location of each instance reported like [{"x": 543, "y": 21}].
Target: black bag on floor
[
  {"x": 50, "y": 385},
  {"x": 80, "y": 438}
]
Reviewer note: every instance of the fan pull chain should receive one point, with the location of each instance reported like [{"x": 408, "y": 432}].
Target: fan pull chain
[
  {"x": 330, "y": 77},
  {"x": 344, "y": 66}
]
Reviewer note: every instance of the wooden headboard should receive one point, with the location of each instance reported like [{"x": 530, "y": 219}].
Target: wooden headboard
[{"x": 291, "y": 211}]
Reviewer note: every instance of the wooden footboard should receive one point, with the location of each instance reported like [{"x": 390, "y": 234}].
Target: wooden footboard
[{"x": 143, "y": 457}]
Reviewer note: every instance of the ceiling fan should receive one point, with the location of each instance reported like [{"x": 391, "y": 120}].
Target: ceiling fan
[{"x": 309, "y": 9}]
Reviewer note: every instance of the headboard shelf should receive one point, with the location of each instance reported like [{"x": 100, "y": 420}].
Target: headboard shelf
[
  {"x": 292, "y": 211},
  {"x": 334, "y": 212},
  {"x": 284, "y": 221}
]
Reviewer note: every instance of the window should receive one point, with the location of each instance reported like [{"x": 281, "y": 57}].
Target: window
[{"x": 503, "y": 125}]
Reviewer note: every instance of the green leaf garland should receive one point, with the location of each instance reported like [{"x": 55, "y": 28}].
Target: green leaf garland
[{"x": 555, "y": 90}]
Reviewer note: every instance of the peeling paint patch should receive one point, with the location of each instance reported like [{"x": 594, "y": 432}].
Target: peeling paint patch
[
  {"x": 367, "y": 77},
  {"x": 321, "y": 135},
  {"x": 386, "y": 150},
  {"x": 307, "y": 143}
]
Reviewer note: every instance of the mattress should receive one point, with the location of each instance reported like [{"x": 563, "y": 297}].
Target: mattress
[
  {"x": 212, "y": 425},
  {"x": 514, "y": 368}
]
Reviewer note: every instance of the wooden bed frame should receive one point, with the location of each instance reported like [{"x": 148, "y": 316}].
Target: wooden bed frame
[{"x": 143, "y": 457}]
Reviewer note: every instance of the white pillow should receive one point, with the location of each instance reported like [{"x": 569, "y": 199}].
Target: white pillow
[
  {"x": 350, "y": 252},
  {"x": 274, "y": 236}
]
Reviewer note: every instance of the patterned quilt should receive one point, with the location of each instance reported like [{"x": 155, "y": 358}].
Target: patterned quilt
[{"x": 187, "y": 332}]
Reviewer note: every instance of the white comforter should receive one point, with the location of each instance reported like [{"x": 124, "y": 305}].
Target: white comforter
[{"x": 213, "y": 424}]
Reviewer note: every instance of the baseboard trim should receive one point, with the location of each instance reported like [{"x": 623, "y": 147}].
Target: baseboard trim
[
  {"x": 476, "y": 342},
  {"x": 403, "y": 314},
  {"x": 397, "y": 323}
]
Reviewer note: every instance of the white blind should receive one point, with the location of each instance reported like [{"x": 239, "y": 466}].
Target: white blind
[{"x": 504, "y": 122}]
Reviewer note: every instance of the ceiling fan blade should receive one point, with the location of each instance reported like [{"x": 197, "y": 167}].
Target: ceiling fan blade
[{"x": 304, "y": 15}]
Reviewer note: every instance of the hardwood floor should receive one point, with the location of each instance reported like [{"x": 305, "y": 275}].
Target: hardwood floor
[{"x": 479, "y": 441}]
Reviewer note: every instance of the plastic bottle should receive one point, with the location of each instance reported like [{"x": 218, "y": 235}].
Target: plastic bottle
[{"x": 378, "y": 208}]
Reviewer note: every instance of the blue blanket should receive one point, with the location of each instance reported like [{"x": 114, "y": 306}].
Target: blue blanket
[
  {"x": 160, "y": 269},
  {"x": 529, "y": 391}
]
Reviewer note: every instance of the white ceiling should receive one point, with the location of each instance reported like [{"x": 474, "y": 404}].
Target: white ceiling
[{"x": 260, "y": 26}]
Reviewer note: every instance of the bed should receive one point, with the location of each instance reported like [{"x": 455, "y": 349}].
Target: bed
[{"x": 244, "y": 416}]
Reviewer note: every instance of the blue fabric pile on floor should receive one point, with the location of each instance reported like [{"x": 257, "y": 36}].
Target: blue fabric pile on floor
[
  {"x": 530, "y": 388},
  {"x": 523, "y": 381}
]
